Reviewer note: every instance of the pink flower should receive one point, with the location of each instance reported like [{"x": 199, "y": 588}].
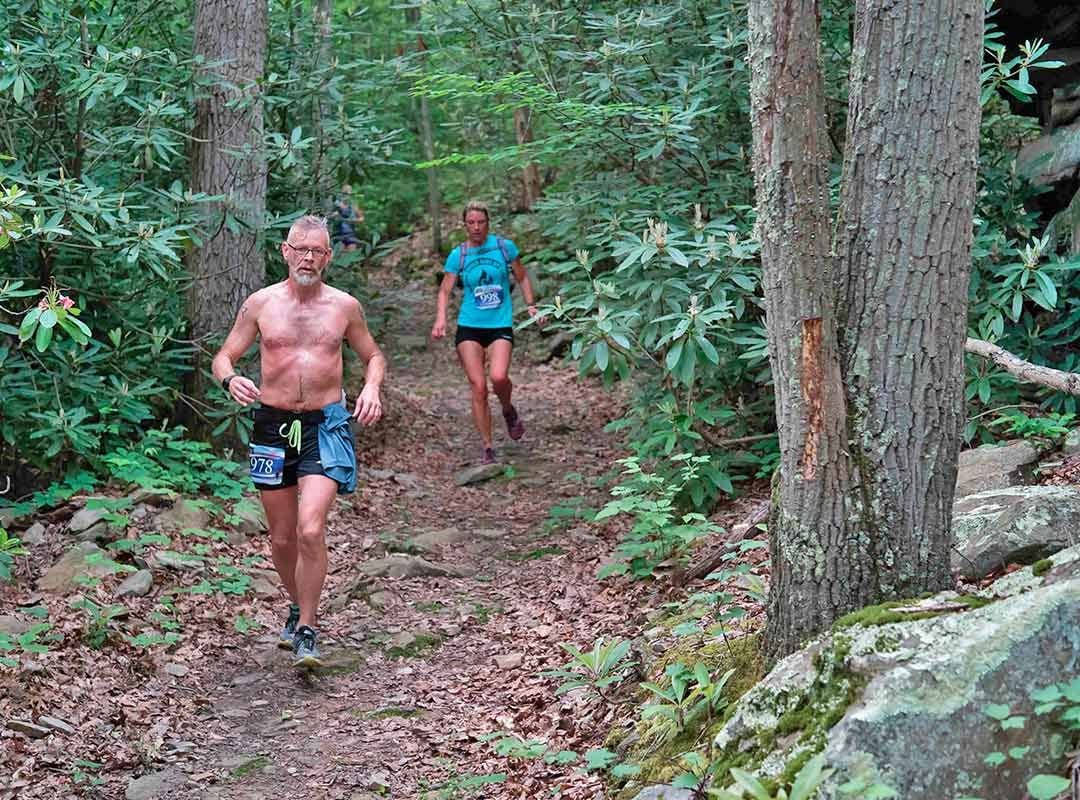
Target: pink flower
[
  {"x": 44, "y": 304},
  {"x": 66, "y": 301}
]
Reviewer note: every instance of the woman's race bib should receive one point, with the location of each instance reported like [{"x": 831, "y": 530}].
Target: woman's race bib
[
  {"x": 488, "y": 296},
  {"x": 267, "y": 464}
]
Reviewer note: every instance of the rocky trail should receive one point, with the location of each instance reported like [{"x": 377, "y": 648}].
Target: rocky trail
[{"x": 443, "y": 605}]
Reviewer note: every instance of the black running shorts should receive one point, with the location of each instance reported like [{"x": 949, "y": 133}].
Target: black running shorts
[
  {"x": 483, "y": 336},
  {"x": 275, "y": 462}
]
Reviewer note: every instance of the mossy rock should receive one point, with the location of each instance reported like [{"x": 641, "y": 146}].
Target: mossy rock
[{"x": 901, "y": 703}]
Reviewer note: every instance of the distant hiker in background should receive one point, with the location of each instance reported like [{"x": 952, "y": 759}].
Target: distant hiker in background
[
  {"x": 302, "y": 452},
  {"x": 483, "y": 263},
  {"x": 346, "y": 219}
]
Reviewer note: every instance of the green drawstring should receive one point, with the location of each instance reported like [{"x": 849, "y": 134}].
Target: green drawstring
[{"x": 293, "y": 435}]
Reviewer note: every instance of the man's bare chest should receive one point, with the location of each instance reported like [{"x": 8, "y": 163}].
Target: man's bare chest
[{"x": 301, "y": 329}]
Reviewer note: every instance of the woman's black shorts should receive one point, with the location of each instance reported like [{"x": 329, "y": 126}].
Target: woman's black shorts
[{"x": 484, "y": 336}]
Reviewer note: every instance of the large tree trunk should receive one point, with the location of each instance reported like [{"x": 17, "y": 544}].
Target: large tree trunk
[
  {"x": 866, "y": 345},
  {"x": 228, "y": 160}
]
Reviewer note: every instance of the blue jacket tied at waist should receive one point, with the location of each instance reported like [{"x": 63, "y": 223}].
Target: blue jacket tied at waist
[{"x": 336, "y": 449}]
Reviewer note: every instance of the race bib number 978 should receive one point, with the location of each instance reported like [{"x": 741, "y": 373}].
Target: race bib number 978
[{"x": 267, "y": 464}]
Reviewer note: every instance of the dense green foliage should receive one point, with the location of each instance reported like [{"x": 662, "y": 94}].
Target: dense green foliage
[{"x": 644, "y": 238}]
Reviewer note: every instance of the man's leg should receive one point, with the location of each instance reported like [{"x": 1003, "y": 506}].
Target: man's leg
[
  {"x": 280, "y": 507},
  {"x": 471, "y": 355},
  {"x": 317, "y": 493}
]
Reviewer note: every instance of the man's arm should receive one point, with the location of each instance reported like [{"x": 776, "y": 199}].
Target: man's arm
[
  {"x": 241, "y": 337},
  {"x": 368, "y": 407}
]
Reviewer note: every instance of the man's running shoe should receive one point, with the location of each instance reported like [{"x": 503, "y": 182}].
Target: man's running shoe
[
  {"x": 305, "y": 650},
  {"x": 514, "y": 426},
  {"x": 288, "y": 633},
  {"x": 488, "y": 457}
]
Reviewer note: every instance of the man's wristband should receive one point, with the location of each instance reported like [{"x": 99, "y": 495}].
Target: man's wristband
[{"x": 225, "y": 381}]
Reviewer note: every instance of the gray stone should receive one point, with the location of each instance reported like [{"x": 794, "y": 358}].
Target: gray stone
[
  {"x": 176, "y": 669},
  {"x": 61, "y": 576},
  {"x": 995, "y": 467},
  {"x": 34, "y": 535},
  {"x": 28, "y": 728},
  {"x": 379, "y": 600},
  {"x": 181, "y": 562},
  {"x": 7, "y": 517},
  {"x": 183, "y": 514},
  {"x": 917, "y": 720},
  {"x": 155, "y": 785},
  {"x": 252, "y": 518},
  {"x": 100, "y": 533},
  {"x": 664, "y": 793},
  {"x": 509, "y": 661},
  {"x": 433, "y": 541},
  {"x": 56, "y": 724},
  {"x": 152, "y": 497},
  {"x": 265, "y": 582},
  {"x": 1071, "y": 445},
  {"x": 479, "y": 474},
  {"x": 12, "y": 625},
  {"x": 404, "y": 566},
  {"x": 86, "y": 518},
  {"x": 1051, "y": 157},
  {"x": 402, "y": 640},
  {"x": 138, "y": 584},
  {"x": 1017, "y": 525}
]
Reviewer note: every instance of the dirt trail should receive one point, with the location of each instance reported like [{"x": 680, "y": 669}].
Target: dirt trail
[{"x": 421, "y": 667}]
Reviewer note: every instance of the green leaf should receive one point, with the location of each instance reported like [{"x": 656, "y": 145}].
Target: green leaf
[
  {"x": 601, "y": 354},
  {"x": 26, "y": 329},
  {"x": 598, "y": 758},
  {"x": 48, "y": 318},
  {"x": 995, "y": 759},
  {"x": 42, "y": 338},
  {"x": 751, "y": 784},
  {"x": 1046, "y": 787}
]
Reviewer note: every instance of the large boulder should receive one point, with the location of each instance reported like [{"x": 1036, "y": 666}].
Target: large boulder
[
  {"x": 994, "y": 466},
  {"x": 903, "y": 704},
  {"x": 1017, "y": 525}
]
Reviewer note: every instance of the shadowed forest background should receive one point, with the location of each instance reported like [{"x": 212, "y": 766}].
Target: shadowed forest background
[{"x": 152, "y": 155}]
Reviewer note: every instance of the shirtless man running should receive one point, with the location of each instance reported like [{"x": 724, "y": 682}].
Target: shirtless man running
[{"x": 302, "y": 446}]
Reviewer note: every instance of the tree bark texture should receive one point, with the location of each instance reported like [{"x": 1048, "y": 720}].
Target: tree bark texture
[
  {"x": 866, "y": 337},
  {"x": 427, "y": 141},
  {"x": 228, "y": 160},
  {"x": 323, "y": 177},
  {"x": 530, "y": 173}
]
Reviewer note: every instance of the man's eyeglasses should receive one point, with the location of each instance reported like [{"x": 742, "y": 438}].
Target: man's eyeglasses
[{"x": 318, "y": 252}]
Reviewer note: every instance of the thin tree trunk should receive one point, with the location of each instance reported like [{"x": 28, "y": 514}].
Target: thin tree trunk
[
  {"x": 427, "y": 141},
  {"x": 228, "y": 160},
  {"x": 321, "y": 172},
  {"x": 530, "y": 173},
  {"x": 866, "y": 347}
]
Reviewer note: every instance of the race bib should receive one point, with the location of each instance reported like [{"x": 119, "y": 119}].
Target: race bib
[
  {"x": 267, "y": 464},
  {"x": 488, "y": 296}
]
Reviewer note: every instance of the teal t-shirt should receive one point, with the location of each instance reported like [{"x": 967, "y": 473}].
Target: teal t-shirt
[{"x": 485, "y": 302}]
